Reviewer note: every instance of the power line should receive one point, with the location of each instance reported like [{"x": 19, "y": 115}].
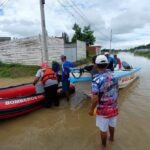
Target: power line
[
  {"x": 76, "y": 11},
  {"x": 71, "y": 13},
  {"x": 82, "y": 15},
  {"x": 76, "y": 6},
  {"x": 66, "y": 9},
  {"x": 3, "y": 3}
]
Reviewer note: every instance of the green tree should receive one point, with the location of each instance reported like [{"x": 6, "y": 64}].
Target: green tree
[
  {"x": 65, "y": 36},
  {"x": 87, "y": 35},
  {"x": 78, "y": 33}
]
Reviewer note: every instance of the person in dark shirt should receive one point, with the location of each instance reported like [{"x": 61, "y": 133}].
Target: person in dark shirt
[{"x": 56, "y": 69}]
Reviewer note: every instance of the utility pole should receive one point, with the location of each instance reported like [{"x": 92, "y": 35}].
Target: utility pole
[
  {"x": 44, "y": 33},
  {"x": 110, "y": 40}
]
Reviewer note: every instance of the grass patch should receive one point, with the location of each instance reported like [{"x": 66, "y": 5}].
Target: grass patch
[
  {"x": 143, "y": 53},
  {"x": 17, "y": 70}
]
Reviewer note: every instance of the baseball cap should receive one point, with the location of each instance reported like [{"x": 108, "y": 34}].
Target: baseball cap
[
  {"x": 101, "y": 59},
  {"x": 106, "y": 53}
]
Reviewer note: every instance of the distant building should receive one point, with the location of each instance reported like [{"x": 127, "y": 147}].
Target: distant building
[
  {"x": 94, "y": 49},
  {"x": 2, "y": 39}
]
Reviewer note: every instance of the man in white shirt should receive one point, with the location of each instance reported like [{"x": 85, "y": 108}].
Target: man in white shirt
[{"x": 49, "y": 80}]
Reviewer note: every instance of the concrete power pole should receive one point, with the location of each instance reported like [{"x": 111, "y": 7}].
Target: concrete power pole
[
  {"x": 44, "y": 33},
  {"x": 110, "y": 40}
]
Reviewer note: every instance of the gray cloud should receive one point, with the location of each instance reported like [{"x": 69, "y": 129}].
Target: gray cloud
[
  {"x": 129, "y": 19},
  {"x": 136, "y": 16}
]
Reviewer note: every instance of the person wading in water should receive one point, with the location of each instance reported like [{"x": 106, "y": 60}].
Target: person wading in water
[
  {"x": 66, "y": 65},
  {"x": 48, "y": 79},
  {"x": 104, "y": 98}
]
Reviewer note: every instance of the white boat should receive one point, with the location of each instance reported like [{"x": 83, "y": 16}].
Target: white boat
[{"x": 125, "y": 77}]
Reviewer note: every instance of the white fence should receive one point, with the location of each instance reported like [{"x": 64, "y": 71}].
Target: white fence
[{"x": 28, "y": 50}]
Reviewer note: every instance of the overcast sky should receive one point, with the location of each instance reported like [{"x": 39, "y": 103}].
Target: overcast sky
[{"x": 128, "y": 19}]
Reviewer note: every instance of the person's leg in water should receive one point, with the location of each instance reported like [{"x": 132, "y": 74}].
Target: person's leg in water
[
  {"x": 67, "y": 95},
  {"x": 65, "y": 86},
  {"x": 48, "y": 98},
  {"x": 68, "y": 92},
  {"x": 54, "y": 95},
  {"x": 112, "y": 125},
  {"x": 103, "y": 138},
  {"x": 111, "y": 131},
  {"x": 103, "y": 124}
]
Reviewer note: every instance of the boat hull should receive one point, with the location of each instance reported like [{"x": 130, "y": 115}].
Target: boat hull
[
  {"x": 21, "y": 102},
  {"x": 125, "y": 77},
  {"x": 125, "y": 81}
]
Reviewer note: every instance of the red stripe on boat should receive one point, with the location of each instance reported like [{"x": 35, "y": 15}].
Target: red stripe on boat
[{"x": 16, "y": 103}]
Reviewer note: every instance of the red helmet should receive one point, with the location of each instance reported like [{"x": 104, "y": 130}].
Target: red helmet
[{"x": 44, "y": 65}]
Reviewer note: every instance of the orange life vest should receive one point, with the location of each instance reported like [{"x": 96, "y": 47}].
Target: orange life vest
[{"x": 48, "y": 74}]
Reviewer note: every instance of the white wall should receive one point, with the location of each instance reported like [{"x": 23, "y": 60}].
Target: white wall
[
  {"x": 29, "y": 51},
  {"x": 55, "y": 49},
  {"x": 81, "y": 50},
  {"x": 76, "y": 51},
  {"x": 70, "y": 52}
]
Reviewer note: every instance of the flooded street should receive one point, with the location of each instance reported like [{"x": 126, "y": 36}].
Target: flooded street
[{"x": 69, "y": 127}]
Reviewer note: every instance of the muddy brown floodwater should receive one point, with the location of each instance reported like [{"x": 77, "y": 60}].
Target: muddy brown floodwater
[{"x": 70, "y": 128}]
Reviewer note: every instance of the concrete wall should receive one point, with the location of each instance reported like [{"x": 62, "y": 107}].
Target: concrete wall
[
  {"x": 29, "y": 51},
  {"x": 76, "y": 51},
  {"x": 81, "y": 50},
  {"x": 71, "y": 52},
  {"x": 55, "y": 48}
]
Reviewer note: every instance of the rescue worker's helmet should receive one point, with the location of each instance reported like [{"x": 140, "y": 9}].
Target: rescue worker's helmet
[{"x": 44, "y": 65}]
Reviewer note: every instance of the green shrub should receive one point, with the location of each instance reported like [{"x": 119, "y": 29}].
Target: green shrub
[
  {"x": 143, "y": 53},
  {"x": 17, "y": 70}
]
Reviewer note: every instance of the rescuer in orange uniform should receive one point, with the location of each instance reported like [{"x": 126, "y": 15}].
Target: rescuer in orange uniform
[{"x": 49, "y": 80}]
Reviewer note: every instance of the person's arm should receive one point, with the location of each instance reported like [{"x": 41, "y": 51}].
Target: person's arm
[
  {"x": 95, "y": 97},
  {"x": 36, "y": 79},
  {"x": 93, "y": 104},
  {"x": 98, "y": 91}
]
